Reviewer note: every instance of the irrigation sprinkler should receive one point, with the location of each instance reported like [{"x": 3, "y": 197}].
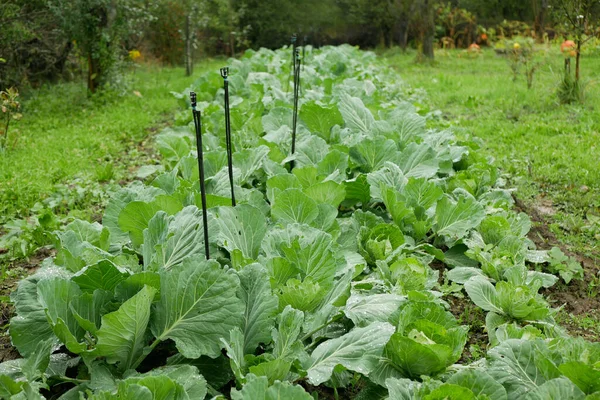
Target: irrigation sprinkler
[
  {"x": 297, "y": 64},
  {"x": 224, "y": 75},
  {"x": 198, "y": 125}
]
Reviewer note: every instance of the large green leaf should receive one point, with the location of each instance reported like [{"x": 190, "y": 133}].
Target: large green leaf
[
  {"x": 258, "y": 388},
  {"x": 9, "y": 387},
  {"x": 93, "y": 233},
  {"x": 372, "y": 154},
  {"x": 389, "y": 177},
  {"x": 422, "y": 193},
  {"x": 320, "y": 119},
  {"x": 88, "y": 308},
  {"x": 483, "y": 294},
  {"x": 135, "y": 216},
  {"x": 185, "y": 375},
  {"x": 159, "y": 387},
  {"x": 122, "y": 333},
  {"x": 358, "y": 190},
  {"x": 261, "y": 306},
  {"x": 418, "y": 161},
  {"x": 584, "y": 376},
  {"x": 559, "y": 388},
  {"x": 365, "y": 309},
  {"x": 104, "y": 275},
  {"x": 242, "y": 228},
  {"x": 291, "y": 205},
  {"x": 315, "y": 258},
  {"x": 172, "y": 147},
  {"x": 357, "y": 350},
  {"x": 198, "y": 306},
  {"x": 35, "y": 365},
  {"x": 30, "y": 325},
  {"x": 286, "y": 343},
  {"x": 328, "y": 192},
  {"x": 169, "y": 246},
  {"x": 454, "y": 219},
  {"x": 356, "y": 116},
  {"x": 133, "y": 192},
  {"x": 480, "y": 383},
  {"x": 415, "y": 359},
  {"x": 55, "y": 295},
  {"x": 279, "y": 183},
  {"x": 449, "y": 391},
  {"x": 520, "y": 366}
]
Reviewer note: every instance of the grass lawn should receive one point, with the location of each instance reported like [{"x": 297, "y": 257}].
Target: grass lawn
[
  {"x": 72, "y": 149},
  {"x": 65, "y": 134},
  {"x": 549, "y": 151}
]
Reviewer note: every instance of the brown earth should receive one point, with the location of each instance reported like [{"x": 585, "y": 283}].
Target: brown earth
[{"x": 574, "y": 297}]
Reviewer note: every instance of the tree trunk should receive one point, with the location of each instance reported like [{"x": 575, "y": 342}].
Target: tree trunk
[
  {"x": 577, "y": 56},
  {"x": 94, "y": 73},
  {"x": 540, "y": 18},
  {"x": 403, "y": 33},
  {"x": 428, "y": 31},
  {"x": 189, "y": 65}
]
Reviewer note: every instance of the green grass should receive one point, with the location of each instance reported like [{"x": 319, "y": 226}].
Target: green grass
[
  {"x": 548, "y": 151},
  {"x": 73, "y": 150},
  {"x": 67, "y": 136}
]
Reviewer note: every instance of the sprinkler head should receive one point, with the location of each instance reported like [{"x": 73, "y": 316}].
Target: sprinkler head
[
  {"x": 193, "y": 98},
  {"x": 224, "y": 72}
]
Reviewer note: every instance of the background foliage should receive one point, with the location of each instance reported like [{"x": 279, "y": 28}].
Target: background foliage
[{"x": 45, "y": 40}]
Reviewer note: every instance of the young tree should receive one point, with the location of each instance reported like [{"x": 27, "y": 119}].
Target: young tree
[
  {"x": 426, "y": 27},
  {"x": 581, "y": 19},
  {"x": 98, "y": 28},
  {"x": 540, "y": 9}
]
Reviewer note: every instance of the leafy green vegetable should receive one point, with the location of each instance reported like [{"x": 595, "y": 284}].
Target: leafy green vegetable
[{"x": 198, "y": 306}]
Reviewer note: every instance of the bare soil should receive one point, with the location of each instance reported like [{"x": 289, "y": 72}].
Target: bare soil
[{"x": 574, "y": 297}]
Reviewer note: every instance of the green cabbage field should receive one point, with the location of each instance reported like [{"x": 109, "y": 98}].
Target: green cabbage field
[{"x": 333, "y": 281}]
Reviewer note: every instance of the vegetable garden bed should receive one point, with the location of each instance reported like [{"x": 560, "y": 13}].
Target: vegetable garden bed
[{"x": 320, "y": 280}]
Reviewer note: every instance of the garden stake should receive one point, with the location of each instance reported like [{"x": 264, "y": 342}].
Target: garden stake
[
  {"x": 198, "y": 124},
  {"x": 225, "y": 74},
  {"x": 297, "y": 63}
]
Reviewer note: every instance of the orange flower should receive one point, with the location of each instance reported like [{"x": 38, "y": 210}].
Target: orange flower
[
  {"x": 567, "y": 46},
  {"x": 474, "y": 48}
]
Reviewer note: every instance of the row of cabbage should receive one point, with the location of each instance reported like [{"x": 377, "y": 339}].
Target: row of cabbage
[{"x": 320, "y": 279}]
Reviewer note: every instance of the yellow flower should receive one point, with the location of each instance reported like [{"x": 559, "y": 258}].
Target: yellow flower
[
  {"x": 516, "y": 46},
  {"x": 135, "y": 54}
]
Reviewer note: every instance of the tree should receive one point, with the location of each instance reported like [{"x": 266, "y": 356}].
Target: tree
[
  {"x": 98, "y": 27},
  {"x": 540, "y": 8},
  {"x": 426, "y": 27},
  {"x": 32, "y": 50},
  {"x": 581, "y": 19}
]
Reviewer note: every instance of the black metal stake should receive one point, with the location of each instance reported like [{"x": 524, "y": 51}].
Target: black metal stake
[
  {"x": 198, "y": 125},
  {"x": 297, "y": 63},
  {"x": 225, "y": 74}
]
